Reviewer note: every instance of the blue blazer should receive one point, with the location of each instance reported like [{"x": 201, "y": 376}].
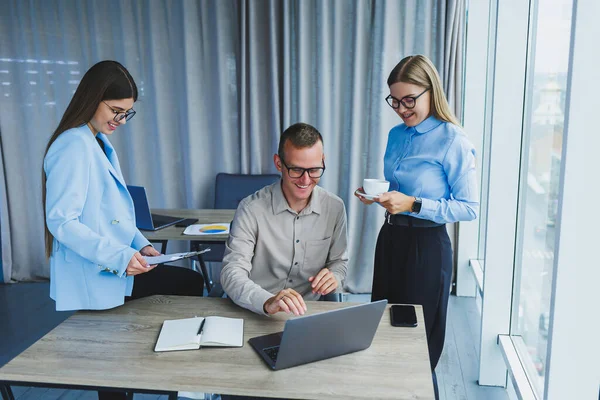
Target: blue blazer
[{"x": 91, "y": 216}]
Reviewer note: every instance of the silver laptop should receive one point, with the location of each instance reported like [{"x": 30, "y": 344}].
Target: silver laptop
[{"x": 320, "y": 336}]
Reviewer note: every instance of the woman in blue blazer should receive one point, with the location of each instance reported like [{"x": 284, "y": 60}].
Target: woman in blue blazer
[{"x": 95, "y": 250}]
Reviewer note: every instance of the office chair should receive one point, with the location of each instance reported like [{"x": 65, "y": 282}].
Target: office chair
[
  {"x": 230, "y": 190},
  {"x": 6, "y": 392}
]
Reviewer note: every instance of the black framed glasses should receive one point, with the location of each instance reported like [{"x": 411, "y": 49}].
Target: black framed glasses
[
  {"x": 119, "y": 115},
  {"x": 297, "y": 172},
  {"x": 407, "y": 101}
]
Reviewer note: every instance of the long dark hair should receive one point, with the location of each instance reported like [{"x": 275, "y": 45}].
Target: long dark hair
[{"x": 106, "y": 80}]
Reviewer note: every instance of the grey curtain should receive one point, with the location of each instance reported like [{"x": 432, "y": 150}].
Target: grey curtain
[{"x": 219, "y": 81}]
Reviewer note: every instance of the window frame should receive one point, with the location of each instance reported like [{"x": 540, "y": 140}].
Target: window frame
[
  {"x": 507, "y": 92},
  {"x": 570, "y": 368},
  {"x": 475, "y": 120}
]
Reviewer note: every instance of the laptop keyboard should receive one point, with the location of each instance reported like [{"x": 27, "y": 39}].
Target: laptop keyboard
[
  {"x": 272, "y": 352},
  {"x": 160, "y": 220}
]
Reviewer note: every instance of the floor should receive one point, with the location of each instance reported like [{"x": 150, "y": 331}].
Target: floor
[{"x": 29, "y": 314}]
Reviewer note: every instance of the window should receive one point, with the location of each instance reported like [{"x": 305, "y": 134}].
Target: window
[
  {"x": 537, "y": 157},
  {"x": 539, "y": 184}
]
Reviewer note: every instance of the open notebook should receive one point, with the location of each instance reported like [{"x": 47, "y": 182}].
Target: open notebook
[{"x": 193, "y": 333}]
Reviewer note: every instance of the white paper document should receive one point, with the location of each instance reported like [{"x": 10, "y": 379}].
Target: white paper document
[
  {"x": 217, "y": 228},
  {"x": 151, "y": 260}
]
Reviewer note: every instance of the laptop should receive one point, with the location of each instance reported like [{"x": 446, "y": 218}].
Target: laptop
[
  {"x": 320, "y": 336},
  {"x": 143, "y": 218}
]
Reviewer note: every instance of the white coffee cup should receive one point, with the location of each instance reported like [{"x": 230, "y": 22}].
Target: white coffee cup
[{"x": 375, "y": 186}]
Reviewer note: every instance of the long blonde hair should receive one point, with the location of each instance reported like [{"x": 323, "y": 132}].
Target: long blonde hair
[{"x": 419, "y": 70}]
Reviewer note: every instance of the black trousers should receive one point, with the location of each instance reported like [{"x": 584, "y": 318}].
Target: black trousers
[
  {"x": 414, "y": 266},
  {"x": 165, "y": 280}
]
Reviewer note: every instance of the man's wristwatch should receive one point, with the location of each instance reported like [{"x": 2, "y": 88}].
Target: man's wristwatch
[{"x": 416, "y": 207}]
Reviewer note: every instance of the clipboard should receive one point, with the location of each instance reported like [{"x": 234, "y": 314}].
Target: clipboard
[{"x": 173, "y": 257}]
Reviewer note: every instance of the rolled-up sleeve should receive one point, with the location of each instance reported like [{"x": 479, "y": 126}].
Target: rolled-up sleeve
[
  {"x": 463, "y": 204},
  {"x": 337, "y": 260},
  {"x": 237, "y": 262}
]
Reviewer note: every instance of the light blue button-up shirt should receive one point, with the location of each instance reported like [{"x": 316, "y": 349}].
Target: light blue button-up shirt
[{"x": 435, "y": 161}]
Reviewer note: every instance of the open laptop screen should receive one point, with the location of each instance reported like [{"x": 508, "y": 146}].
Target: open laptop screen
[{"x": 143, "y": 218}]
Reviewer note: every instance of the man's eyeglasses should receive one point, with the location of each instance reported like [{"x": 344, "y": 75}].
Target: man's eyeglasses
[
  {"x": 407, "y": 101},
  {"x": 119, "y": 115},
  {"x": 297, "y": 172}
]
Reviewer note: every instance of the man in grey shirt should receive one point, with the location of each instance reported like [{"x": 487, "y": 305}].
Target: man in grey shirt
[{"x": 288, "y": 241}]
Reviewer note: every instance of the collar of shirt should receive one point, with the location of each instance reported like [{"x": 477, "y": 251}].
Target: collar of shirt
[
  {"x": 428, "y": 124},
  {"x": 280, "y": 204},
  {"x": 106, "y": 145}
]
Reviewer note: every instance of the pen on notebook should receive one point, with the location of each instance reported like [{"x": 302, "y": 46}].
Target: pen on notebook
[{"x": 201, "y": 326}]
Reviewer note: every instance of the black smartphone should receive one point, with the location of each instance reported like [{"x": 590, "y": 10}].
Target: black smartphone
[
  {"x": 402, "y": 315},
  {"x": 186, "y": 222}
]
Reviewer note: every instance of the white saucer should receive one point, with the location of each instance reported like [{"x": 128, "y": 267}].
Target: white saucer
[{"x": 367, "y": 196}]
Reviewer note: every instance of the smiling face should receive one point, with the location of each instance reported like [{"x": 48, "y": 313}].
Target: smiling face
[
  {"x": 422, "y": 109},
  {"x": 104, "y": 117},
  {"x": 297, "y": 191}
]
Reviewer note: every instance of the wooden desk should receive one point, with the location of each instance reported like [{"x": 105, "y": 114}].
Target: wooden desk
[
  {"x": 204, "y": 217},
  {"x": 114, "y": 349},
  {"x": 172, "y": 232}
]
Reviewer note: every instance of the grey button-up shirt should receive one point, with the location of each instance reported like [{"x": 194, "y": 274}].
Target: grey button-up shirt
[{"x": 272, "y": 247}]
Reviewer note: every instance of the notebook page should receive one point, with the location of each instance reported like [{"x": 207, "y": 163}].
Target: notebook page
[
  {"x": 179, "y": 334},
  {"x": 222, "y": 331}
]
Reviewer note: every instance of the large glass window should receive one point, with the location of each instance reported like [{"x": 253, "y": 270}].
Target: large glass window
[
  {"x": 539, "y": 189},
  {"x": 485, "y": 161}
]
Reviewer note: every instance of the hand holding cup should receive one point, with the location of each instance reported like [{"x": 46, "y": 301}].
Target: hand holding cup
[{"x": 371, "y": 189}]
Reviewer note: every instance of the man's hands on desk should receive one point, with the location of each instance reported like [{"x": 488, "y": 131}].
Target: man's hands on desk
[
  {"x": 287, "y": 300},
  {"x": 290, "y": 301},
  {"x": 324, "y": 283}
]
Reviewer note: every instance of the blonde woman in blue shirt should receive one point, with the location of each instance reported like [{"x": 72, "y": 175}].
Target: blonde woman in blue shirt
[{"x": 430, "y": 165}]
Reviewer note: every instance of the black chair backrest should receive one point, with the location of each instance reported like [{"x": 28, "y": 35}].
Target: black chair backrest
[{"x": 230, "y": 189}]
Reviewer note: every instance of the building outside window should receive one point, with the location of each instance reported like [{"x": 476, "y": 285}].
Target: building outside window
[{"x": 540, "y": 178}]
